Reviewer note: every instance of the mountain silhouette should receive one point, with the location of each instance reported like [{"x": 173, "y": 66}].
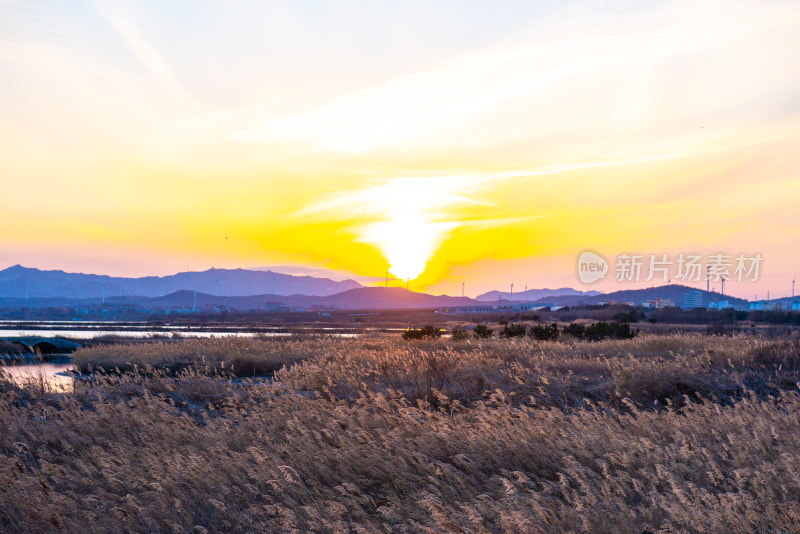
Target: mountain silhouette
[{"x": 24, "y": 282}]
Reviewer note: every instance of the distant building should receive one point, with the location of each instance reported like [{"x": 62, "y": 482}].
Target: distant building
[
  {"x": 533, "y": 306},
  {"x": 693, "y": 299},
  {"x": 516, "y": 307},
  {"x": 720, "y": 305},
  {"x": 525, "y": 306},
  {"x": 465, "y": 309},
  {"x": 659, "y": 304},
  {"x": 764, "y": 305},
  {"x": 280, "y": 307},
  {"x": 796, "y": 306}
]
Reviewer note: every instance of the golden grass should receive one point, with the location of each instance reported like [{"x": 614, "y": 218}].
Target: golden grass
[
  {"x": 196, "y": 452},
  {"x": 645, "y": 370},
  {"x": 243, "y": 355}
]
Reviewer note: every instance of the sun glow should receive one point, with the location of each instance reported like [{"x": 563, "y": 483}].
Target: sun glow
[
  {"x": 407, "y": 219},
  {"x": 407, "y": 242}
]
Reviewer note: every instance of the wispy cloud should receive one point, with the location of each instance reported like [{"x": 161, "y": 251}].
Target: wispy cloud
[
  {"x": 590, "y": 75},
  {"x": 148, "y": 54}
]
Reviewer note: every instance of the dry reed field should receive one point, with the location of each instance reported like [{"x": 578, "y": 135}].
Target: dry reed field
[
  {"x": 245, "y": 356},
  {"x": 679, "y": 433}
]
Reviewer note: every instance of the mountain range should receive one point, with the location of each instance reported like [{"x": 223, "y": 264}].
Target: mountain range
[
  {"x": 361, "y": 298},
  {"x": 21, "y": 286},
  {"x": 533, "y": 294},
  {"x": 673, "y": 292},
  {"x": 24, "y": 282}
]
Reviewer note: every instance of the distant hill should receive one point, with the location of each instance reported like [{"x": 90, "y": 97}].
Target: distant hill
[
  {"x": 246, "y": 289},
  {"x": 362, "y": 298},
  {"x": 391, "y": 297},
  {"x": 786, "y": 300},
  {"x": 674, "y": 292},
  {"x": 19, "y": 282},
  {"x": 533, "y": 294}
]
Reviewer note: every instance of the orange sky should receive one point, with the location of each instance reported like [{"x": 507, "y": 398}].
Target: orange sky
[{"x": 444, "y": 143}]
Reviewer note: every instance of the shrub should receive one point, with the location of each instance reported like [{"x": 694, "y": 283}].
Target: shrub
[
  {"x": 603, "y": 330},
  {"x": 631, "y": 316},
  {"x": 482, "y": 332},
  {"x": 427, "y": 331},
  {"x": 599, "y": 330},
  {"x": 576, "y": 330},
  {"x": 460, "y": 334},
  {"x": 624, "y": 331},
  {"x": 513, "y": 330},
  {"x": 544, "y": 333}
]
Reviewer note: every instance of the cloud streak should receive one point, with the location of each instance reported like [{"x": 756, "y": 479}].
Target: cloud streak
[
  {"x": 583, "y": 77},
  {"x": 143, "y": 49}
]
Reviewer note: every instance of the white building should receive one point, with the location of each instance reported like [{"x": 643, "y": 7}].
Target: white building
[
  {"x": 658, "y": 304},
  {"x": 720, "y": 305},
  {"x": 768, "y": 306},
  {"x": 516, "y": 307},
  {"x": 466, "y": 309},
  {"x": 525, "y": 306},
  {"x": 693, "y": 299}
]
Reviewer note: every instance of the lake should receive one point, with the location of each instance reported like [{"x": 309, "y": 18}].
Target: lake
[
  {"x": 94, "y": 329},
  {"x": 49, "y": 373},
  {"x": 46, "y": 375}
]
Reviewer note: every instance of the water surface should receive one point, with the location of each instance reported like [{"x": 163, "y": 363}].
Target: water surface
[{"x": 48, "y": 376}]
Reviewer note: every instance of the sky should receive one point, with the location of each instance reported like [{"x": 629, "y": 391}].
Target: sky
[{"x": 445, "y": 142}]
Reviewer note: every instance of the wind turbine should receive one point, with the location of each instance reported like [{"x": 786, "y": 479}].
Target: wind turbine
[
  {"x": 723, "y": 285},
  {"x": 511, "y": 295}
]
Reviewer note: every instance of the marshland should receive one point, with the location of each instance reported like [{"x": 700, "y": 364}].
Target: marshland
[{"x": 659, "y": 433}]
